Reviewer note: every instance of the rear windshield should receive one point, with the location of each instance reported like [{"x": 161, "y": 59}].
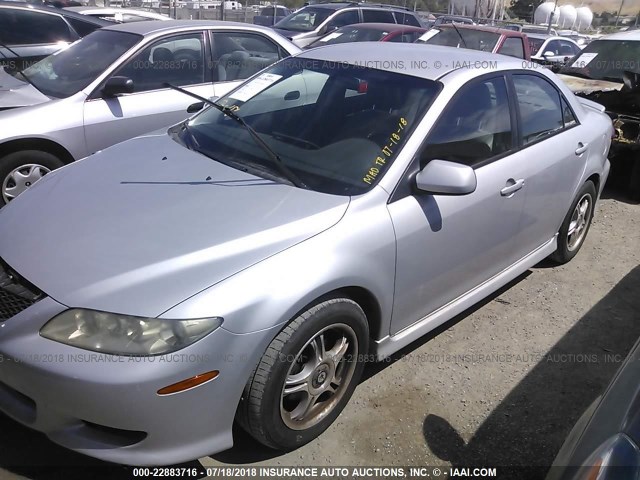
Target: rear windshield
[{"x": 461, "y": 38}]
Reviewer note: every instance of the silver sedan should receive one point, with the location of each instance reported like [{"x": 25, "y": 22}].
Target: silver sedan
[
  {"x": 110, "y": 86},
  {"x": 249, "y": 261}
]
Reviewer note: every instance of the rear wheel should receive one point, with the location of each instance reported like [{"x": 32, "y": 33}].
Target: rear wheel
[
  {"x": 20, "y": 170},
  {"x": 576, "y": 224},
  {"x": 306, "y": 376}
]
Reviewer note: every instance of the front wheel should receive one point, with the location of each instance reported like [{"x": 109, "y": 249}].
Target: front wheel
[
  {"x": 20, "y": 170},
  {"x": 306, "y": 376},
  {"x": 576, "y": 224}
]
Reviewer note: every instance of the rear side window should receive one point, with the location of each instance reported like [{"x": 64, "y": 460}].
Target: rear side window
[
  {"x": 475, "y": 126},
  {"x": 238, "y": 55},
  {"x": 540, "y": 111},
  {"x": 344, "y": 18},
  {"x": 24, "y": 27},
  {"x": 406, "y": 19},
  {"x": 513, "y": 47},
  {"x": 568, "y": 117},
  {"x": 377, "y": 16}
]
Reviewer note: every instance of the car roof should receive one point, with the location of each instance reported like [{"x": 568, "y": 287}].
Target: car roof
[
  {"x": 408, "y": 58},
  {"x": 388, "y": 27},
  {"x": 151, "y": 27},
  {"x": 87, "y": 8},
  {"x": 372, "y": 6},
  {"x": 633, "y": 35},
  {"x": 54, "y": 10},
  {"x": 541, "y": 36},
  {"x": 483, "y": 28}
]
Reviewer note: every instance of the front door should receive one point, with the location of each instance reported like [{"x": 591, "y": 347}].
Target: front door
[
  {"x": 447, "y": 245},
  {"x": 180, "y": 60}
]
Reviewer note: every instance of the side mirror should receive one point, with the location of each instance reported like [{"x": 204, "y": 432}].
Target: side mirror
[
  {"x": 117, "y": 85},
  {"x": 548, "y": 54},
  {"x": 449, "y": 178},
  {"x": 195, "y": 107}
]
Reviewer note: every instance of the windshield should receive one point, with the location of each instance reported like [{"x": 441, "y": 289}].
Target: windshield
[
  {"x": 305, "y": 20},
  {"x": 461, "y": 38},
  {"x": 351, "y": 34},
  {"x": 606, "y": 60},
  {"x": 337, "y": 127},
  {"x": 68, "y": 71}
]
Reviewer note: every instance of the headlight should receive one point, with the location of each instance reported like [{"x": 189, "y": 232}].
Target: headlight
[
  {"x": 616, "y": 459},
  {"x": 126, "y": 335}
]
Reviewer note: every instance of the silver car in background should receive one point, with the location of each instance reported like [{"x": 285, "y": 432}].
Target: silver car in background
[
  {"x": 247, "y": 262},
  {"x": 110, "y": 86}
]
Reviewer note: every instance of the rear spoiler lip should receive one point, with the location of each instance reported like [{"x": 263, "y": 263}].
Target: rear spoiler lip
[{"x": 591, "y": 104}]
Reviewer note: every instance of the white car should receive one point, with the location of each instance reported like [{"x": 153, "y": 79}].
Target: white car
[
  {"x": 548, "y": 49},
  {"x": 119, "y": 15}
]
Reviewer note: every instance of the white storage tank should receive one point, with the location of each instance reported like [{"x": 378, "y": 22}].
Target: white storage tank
[
  {"x": 542, "y": 13},
  {"x": 584, "y": 18},
  {"x": 568, "y": 16}
]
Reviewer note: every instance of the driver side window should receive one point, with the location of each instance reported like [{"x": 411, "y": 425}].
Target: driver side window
[
  {"x": 475, "y": 126},
  {"x": 178, "y": 60}
]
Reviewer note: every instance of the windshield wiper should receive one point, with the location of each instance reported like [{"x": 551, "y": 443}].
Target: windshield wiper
[
  {"x": 277, "y": 161},
  {"x": 464, "y": 44}
]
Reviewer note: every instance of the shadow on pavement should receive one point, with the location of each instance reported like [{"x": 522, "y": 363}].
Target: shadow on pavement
[{"x": 529, "y": 426}]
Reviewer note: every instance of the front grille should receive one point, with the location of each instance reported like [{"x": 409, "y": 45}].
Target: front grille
[{"x": 16, "y": 294}]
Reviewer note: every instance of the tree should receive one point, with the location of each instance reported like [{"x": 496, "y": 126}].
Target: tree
[{"x": 523, "y": 9}]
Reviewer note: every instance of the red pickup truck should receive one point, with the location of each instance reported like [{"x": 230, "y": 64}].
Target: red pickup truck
[{"x": 477, "y": 37}]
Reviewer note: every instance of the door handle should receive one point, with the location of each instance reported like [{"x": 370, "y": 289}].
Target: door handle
[
  {"x": 514, "y": 186},
  {"x": 582, "y": 147}
]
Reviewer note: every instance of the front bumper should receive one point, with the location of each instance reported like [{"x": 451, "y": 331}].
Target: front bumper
[{"x": 107, "y": 407}]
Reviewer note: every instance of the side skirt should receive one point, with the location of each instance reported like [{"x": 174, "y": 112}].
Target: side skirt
[{"x": 392, "y": 343}]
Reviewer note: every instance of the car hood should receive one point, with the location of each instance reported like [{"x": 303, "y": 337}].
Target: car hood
[
  {"x": 143, "y": 225},
  {"x": 17, "y": 93},
  {"x": 585, "y": 86}
]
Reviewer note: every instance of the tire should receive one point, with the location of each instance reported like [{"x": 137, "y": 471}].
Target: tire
[
  {"x": 279, "y": 420},
  {"x": 26, "y": 167},
  {"x": 578, "y": 220}
]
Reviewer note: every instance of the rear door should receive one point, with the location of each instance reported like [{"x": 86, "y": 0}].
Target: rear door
[
  {"x": 553, "y": 147},
  {"x": 179, "y": 59}
]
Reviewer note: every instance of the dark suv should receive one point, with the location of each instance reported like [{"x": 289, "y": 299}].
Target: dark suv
[
  {"x": 29, "y": 33},
  {"x": 313, "y": 21}
]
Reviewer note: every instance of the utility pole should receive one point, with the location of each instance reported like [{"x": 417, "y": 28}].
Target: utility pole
[
  {"x": 619, "y": 10},
  {"x": 551, "y": 17}
]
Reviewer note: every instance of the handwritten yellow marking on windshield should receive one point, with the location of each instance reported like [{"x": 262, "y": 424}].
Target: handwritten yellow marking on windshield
[{"x": 386, "y": 151}]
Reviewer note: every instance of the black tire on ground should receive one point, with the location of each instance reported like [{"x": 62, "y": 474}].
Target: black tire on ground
[
  {"x": 259, "y": 412},
  {"x": 564, "y": 253},
  {"x": 14, "y": 160}
]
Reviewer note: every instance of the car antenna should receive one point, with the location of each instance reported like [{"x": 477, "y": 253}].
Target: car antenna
[
  {"x": 464, "y": 44},
  {"x": 292, "y": 177}
]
